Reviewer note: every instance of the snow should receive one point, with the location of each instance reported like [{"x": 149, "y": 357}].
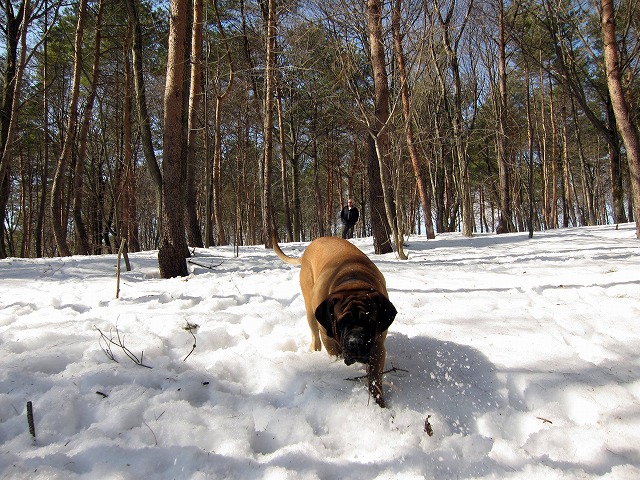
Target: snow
[{"x": 524, "y": 353}]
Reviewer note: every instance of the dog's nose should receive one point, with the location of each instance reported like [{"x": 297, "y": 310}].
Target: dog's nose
[
  {"x": 358, "y": 345},
  {"x": 355, "y": 343}
]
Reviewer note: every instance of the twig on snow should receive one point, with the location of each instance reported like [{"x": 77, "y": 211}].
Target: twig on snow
[
  {"x": 107, "y": 347},
  {"x": 119, "y": 342},
  {"x": 32, "y": 425},
  {"x": 154, "y": 435},
  {"x": 544, "y": 420},
  {"x": 190, "y": 327},
  {"x": 210, "y": 267},
  {"x": 362, "y": 377}
]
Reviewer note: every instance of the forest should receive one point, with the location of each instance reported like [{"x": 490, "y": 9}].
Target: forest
[{"x": 179, "y": 124}]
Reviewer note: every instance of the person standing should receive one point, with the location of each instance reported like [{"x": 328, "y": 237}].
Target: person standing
[{"x": 349, "y": 216}]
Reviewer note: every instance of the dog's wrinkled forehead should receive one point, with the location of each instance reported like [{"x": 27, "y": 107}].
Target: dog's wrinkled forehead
[{"x": 356, "y": 306}]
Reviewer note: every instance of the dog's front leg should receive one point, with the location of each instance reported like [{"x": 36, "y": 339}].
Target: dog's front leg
[
  {"x": 375, "y": 389},
  {"x": 374, "y": 373},
  {"x": 316, "y": 344}
]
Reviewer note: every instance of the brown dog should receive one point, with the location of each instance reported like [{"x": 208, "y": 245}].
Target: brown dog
[{"x": 346, "y": 299}]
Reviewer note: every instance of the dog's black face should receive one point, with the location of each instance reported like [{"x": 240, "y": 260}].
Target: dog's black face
[{"x": 355, "y": 320}]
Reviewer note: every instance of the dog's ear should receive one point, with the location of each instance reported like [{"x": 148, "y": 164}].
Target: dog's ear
[
  {"x": 386, "y": 312},
  {"x": 324, "y": 316}
]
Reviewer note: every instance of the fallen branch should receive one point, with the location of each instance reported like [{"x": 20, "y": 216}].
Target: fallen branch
[
  {"x": 210, "y": 267},
  {"x": 363, "y": 377},
  {"x": 119, "y": 342}
]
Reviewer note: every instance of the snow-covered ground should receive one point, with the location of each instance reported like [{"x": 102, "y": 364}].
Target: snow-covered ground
[{"x": 523, "y": 355}]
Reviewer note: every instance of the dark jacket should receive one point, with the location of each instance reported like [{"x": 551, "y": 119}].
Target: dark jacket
[{"x": 349, "y": 216}]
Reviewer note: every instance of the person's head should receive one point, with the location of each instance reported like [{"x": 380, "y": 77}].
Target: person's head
[{"x": 350, "y": 202}]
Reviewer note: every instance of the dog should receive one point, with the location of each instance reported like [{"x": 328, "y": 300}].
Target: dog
[{"x": 347, "y": 304}]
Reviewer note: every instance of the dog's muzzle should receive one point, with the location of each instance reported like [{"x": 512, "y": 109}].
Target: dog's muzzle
[
  {"x": 356, "y": 348},
  {"x": 352, "y": 360}
]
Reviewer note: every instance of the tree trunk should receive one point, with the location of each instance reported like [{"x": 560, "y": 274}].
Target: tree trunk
[
  {"x": 554, "y": 160},
  {"x": 587, "y": 183},
  {"x": 379, "y": 225},
  {"x": 328, "y": 195},
  {"x": 505, "y": 222},
  {"x": 628, "y": 130},
  {"x": 286, "y": 200},
  {"x": 421, "y": 182},
  {"x": 379, "y": 133},
  {"x": 141, "y": 106},
  {"x": 221, "y": 236},
  {"x": 15, "y": 85},
  {"x": 6, "y": 106},
  {"x": 82, "y": 239},
  {"x": 269, "y": 87},
  {"x": 8, "y": 150},
  {"x": 546, "y": 201},
  {"x": 439, "y": 179},
  {"x": 295, "y": 190},
  {"x": 44, "y": 172},
  {"x": 217, "y": 155},
  {"x": 567, "y": 203},
  {"x": 173, "y": 246},
  {"x": 58, "y": 217},
  {"x": 129, "y": 229},
  {"x": 530, "y": 143},
  {"x": 615, "y": 169},
  {"x": 316, "y": 186},
  {"x": 194, "y": 233}
]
